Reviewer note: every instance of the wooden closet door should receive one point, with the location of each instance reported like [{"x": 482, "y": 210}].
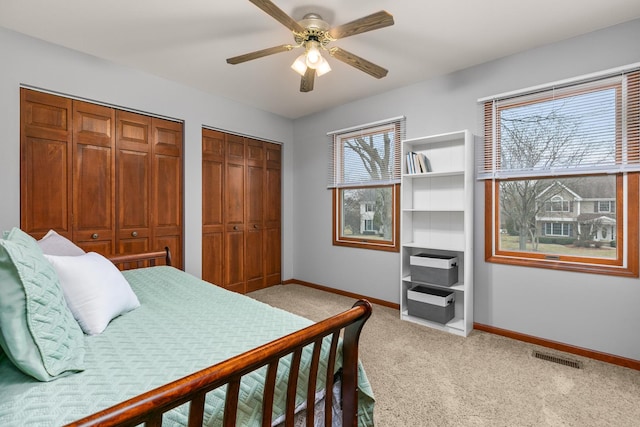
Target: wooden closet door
[
  {"x": 167, "y": 190},
  {"x": 254, "y": 196},
  {"x": 234, "y": 214},
  {"x": 93, "y": 177},
  {"x": 45, "y": 163},
  {"x": 133, "y": 169},
  {"x": 273, "y": 215},
  {"x": 213, "y": 166}
]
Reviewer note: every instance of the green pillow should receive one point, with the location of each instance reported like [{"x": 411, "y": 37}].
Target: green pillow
[{"x": 37, "y": 331}]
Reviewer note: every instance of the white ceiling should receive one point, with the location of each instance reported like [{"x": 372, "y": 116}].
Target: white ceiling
[{"x": 188, "y": 40}]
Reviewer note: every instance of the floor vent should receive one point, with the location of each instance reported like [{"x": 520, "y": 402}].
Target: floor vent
[{"x": 557, "y": 359}]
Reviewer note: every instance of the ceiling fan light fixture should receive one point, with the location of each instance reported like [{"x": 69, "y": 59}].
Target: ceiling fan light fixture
[
  {"x": 314, "y": 58},
  {"x": 323, "y": 68},
  {"x": 300, "y": 65}
]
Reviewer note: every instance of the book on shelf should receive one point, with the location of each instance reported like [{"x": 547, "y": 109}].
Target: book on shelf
[{"x": 417, "y": 163}]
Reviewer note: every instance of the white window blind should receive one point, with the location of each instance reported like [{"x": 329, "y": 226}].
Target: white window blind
[
  {"x": 366, "y": 155},
  {"x": 585, "y": 126}
]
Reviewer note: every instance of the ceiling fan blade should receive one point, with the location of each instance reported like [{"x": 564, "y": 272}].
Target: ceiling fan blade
[
  {"x": 306, "y": 83},
  {"x": 277, "y": 13},
  {"x": 360, "y": 63},
  {"x": 368, "y": 23},
  {"x": 259, "y": 54}
]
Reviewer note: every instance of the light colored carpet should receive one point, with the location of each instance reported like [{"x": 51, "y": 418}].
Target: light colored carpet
[{"x": 424, "y": 377}]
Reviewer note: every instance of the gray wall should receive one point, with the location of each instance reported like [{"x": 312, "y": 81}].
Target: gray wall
[
  {"x": 590, "y": 311},
  {"x": 36, "y": 63}
]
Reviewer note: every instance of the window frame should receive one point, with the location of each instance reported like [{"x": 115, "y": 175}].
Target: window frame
[
  {"x": 361, "y": 242},
  {"x": 626, "y": 206},
  {"x": 625, "y": 264}
]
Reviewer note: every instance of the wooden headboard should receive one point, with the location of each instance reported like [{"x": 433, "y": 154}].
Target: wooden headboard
[{"x": 148, "y": 259}]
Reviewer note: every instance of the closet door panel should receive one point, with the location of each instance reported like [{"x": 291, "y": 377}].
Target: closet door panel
[
  {"x": 167, "y": 137},
  {"x": 213, "y": 166},
  {"x": 234, "y": 194},
  {"x": 212, "y": 182},
  {"x": 255, "y": 182},
  {"x": 213, "y": 257},
  {"x": 93, "y": 177},
  {"x": 272, "y": 256},
  {"x": 167, "y": 188},
  {"x": 234, "y": 201},
  {"x": 254, "y": 195},
  {"x": 273, "y": 188},
  {"x": 133, "y": 131},
  {"x": 133, "y": 165},
  {"x": 45, "y": 163},
  {"x": 234, "y": 261},
  {"x": 167, "y": 206},
  {"x": 46, "y": 185},
  {"x": 272, "y": 215},
  {"x": 254, "y": 261},
  {"x": 234, "y": 214}
]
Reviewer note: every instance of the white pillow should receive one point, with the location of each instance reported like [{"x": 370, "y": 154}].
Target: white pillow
[
  {"x": 54, "y": 244},
  {"x": 95, "y": 290}
]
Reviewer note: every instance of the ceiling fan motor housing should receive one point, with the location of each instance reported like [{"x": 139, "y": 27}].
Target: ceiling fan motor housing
[{"x": 316, "y": 29}]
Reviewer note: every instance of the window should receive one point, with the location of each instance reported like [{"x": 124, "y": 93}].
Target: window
[
  {"x": 560, "y": 166},
  {"x": 557, "y": 205},
  {"x": 557, "y": 229},
  {"x": 364, "y": 175},
  {"x": 606, "y": 206}
]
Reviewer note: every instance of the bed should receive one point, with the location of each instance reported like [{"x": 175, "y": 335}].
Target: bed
[{"x": 194, "y": 354}]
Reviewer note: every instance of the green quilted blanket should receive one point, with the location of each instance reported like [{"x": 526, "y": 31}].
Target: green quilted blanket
[{"x": 183, "y": 325}]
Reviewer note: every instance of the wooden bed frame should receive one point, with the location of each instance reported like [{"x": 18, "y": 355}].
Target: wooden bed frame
[{"x": 149, "y": 407}]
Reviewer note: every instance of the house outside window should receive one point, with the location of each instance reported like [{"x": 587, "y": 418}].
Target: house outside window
[
  {"x": 364, "y": 175},
  {"x": 561, "y": 175}
]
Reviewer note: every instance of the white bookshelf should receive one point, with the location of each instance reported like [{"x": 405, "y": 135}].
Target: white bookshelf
[{"x": 437, "y": 218}]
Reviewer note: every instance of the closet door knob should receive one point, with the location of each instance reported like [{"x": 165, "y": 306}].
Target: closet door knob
[
  {"x": 94, "y": 236},
  {"x": 235, "y": 227},
  {"x": 255, "y": 225},
  {"x": 134, "y": 233}
]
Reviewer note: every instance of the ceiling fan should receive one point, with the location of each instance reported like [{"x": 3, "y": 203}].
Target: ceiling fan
[{"x": 314, "y": 35}]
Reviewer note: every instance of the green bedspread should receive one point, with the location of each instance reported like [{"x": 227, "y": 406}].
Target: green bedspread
[{"x": 183, "y": 325}]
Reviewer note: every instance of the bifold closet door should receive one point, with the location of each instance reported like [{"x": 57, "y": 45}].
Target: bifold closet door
[
  {"x": 45, "y": 164},
  {"x": 93, "y": 177},
  {"x": 167, "y": 188},
  {"x": 273, "y": 215},
  {"x": 133, "y": 160},
  {"x": 213, "y": 166},
  {"x": 241, "y": 211},
  {"x": 110, "y": 180},
  {"x": 255, "y": 200},
  {"x": 234, "y": 214}
]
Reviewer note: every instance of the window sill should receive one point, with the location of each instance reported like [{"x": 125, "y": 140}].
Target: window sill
[{"x": 609, "y": 270}]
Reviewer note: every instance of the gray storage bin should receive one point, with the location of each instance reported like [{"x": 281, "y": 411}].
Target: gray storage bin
[
  {"x": 435, "y": 269},
  {"x": 436, "y": 305}
]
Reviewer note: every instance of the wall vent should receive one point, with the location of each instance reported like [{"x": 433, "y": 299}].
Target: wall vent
[{"x": 557, "y": 359}]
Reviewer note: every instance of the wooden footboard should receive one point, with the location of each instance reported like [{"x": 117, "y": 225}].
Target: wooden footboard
[{"x": 149, "y": 407}]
